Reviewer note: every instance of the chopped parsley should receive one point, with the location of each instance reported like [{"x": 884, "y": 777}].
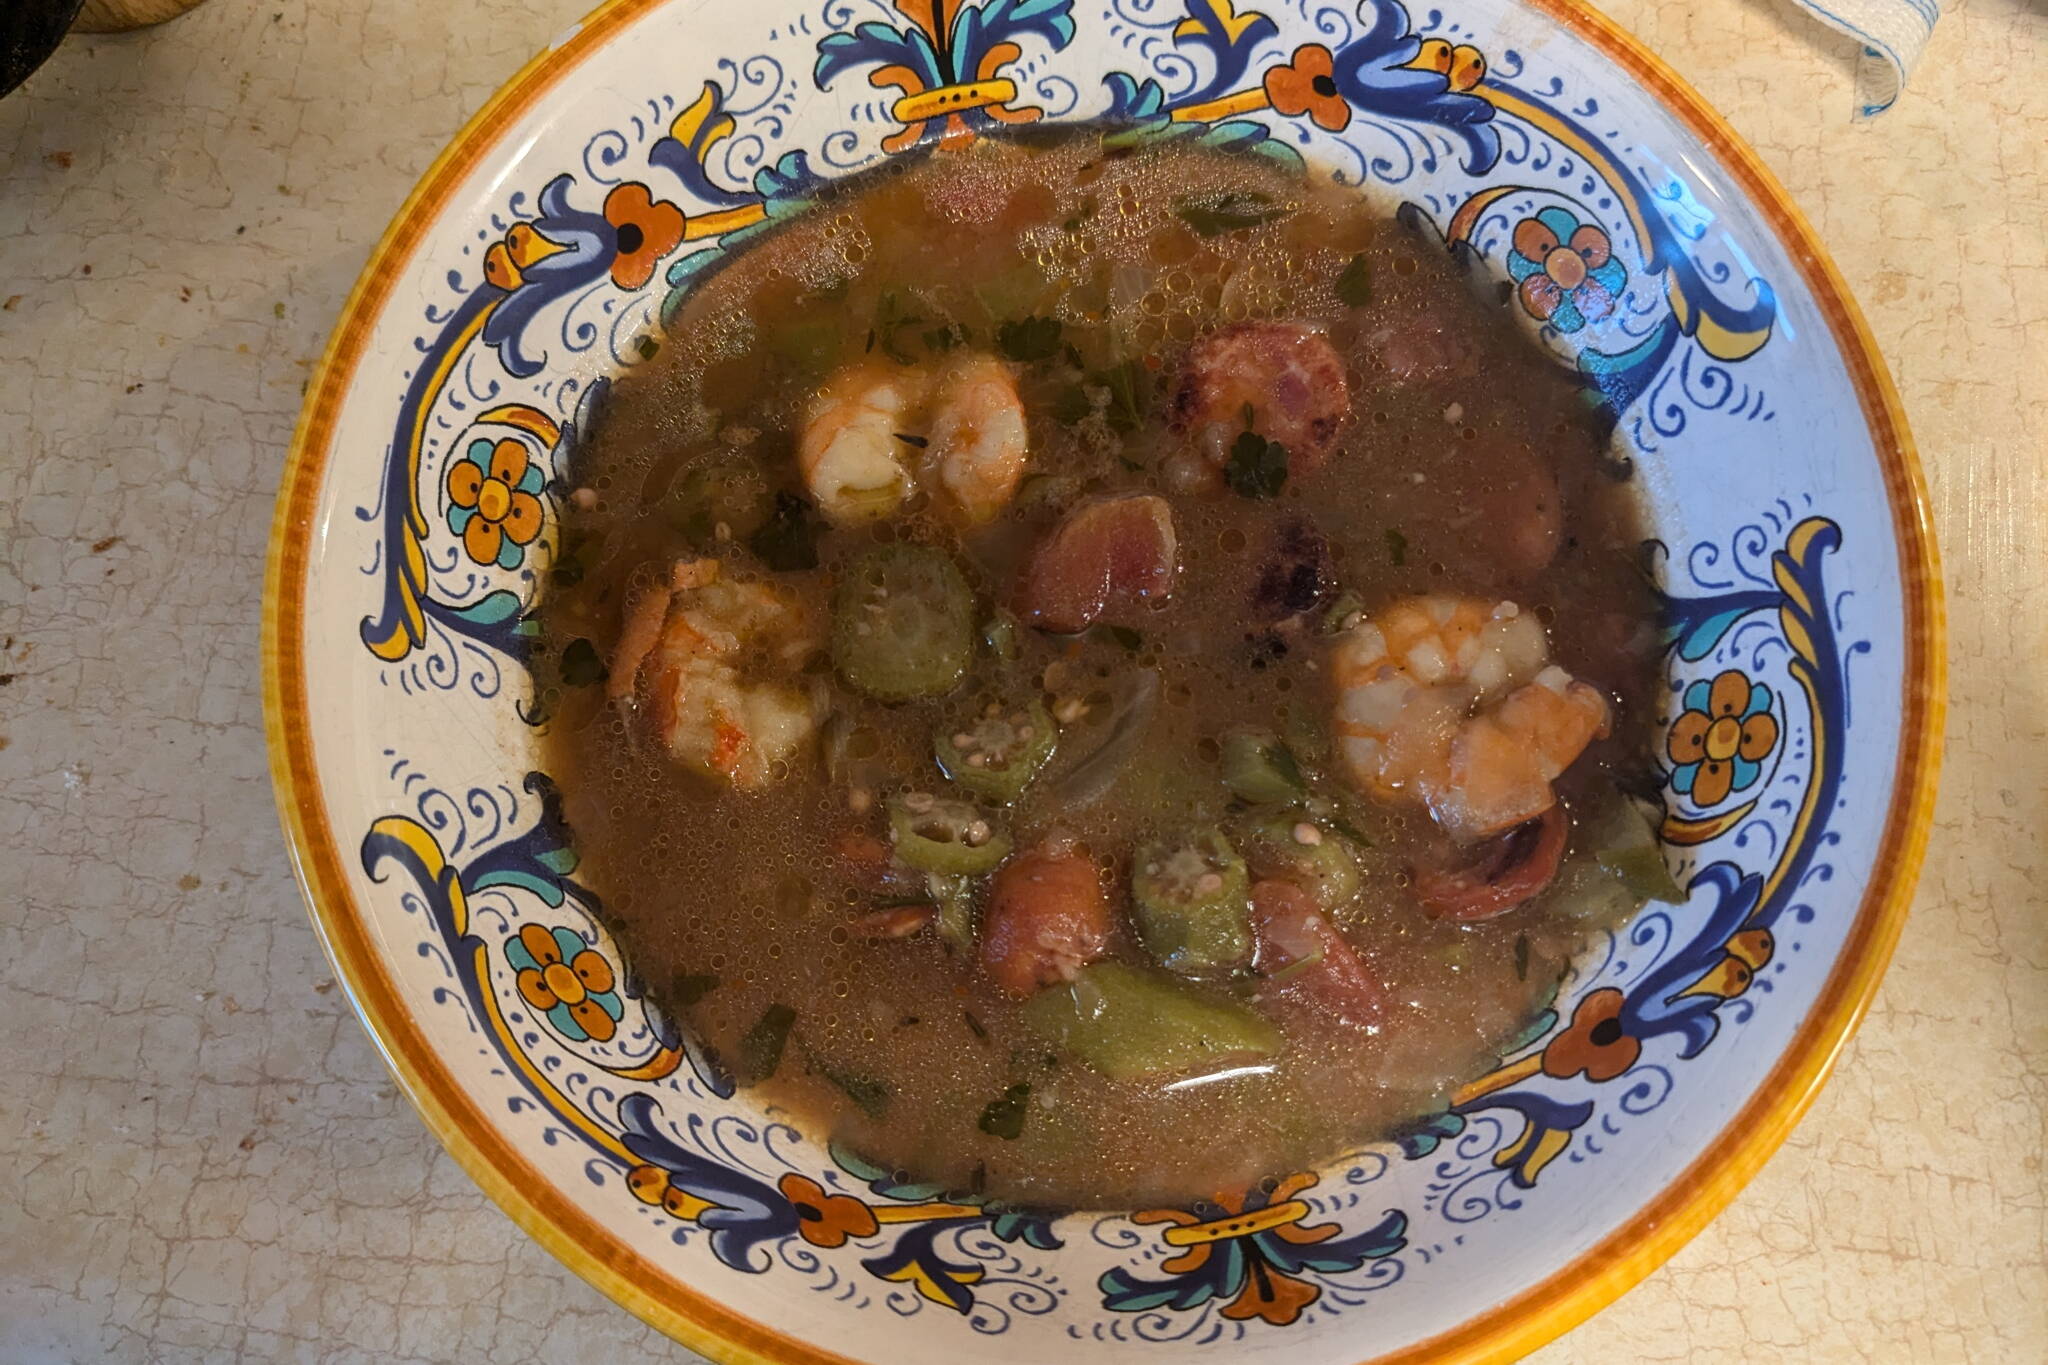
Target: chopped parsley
[
  {"x": 1257, "y": 467},
  {"x": 1230, "y": 211},
  {"x": 580, "y": 665},
  {"x": 1354, "y": 285},
  {"x": 1029, "y": 338},
  {"x": 1004, "y": 1116},
  {"x": 891, "y": 318},
  {"x": 688, "y": 990},
  {"x": 869, "y": 1095},
  {"x": 761, "y": 1046},
  {"x": 1130, "y": 387},
  {"x": 789, "y": 538}
]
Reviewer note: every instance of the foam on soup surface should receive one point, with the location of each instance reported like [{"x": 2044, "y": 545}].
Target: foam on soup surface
[{"x": 1098, "y": 677}]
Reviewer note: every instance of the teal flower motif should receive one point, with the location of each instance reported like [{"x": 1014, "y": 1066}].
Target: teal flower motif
[
  {"x": 1719, "y": 742},
  {"x": 568, "y": 981},
  {"x": 494, "y": 501},
  {"x": 1564, "y": 270}
]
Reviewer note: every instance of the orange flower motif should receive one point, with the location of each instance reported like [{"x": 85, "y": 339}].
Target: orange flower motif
[
  {"x": 1272, "y": 1297},
  {"x": 645, "y": 230},
  {"x": 826, "y": 1220},
  {"x": 1595, "y": 1044},
  {"x": 1307, "y": 85},
  {"x": 568, "y": 981},
  {"x": 1719, "y": 742},
  {"x": 494, "y": 501},
  {"x": 1267, "y": 1247}
]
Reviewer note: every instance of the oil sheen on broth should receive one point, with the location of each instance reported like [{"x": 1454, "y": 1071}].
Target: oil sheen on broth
[{"x": 1095, "y": 677}]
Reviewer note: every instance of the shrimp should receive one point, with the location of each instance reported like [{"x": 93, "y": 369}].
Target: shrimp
[
  {"x": 848, "y": 453},
  {"x": 687, "y": 640},
  {"x": 978, "y": 439},
  {"x": 862, "y": 430},
  {"x": 1451, "y": 704}
]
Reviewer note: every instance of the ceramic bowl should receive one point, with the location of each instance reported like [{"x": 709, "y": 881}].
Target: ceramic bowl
[{"x": 1636, "y": 239}]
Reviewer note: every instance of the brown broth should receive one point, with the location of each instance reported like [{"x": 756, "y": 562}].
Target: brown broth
[{"x": 703, "y": 883}]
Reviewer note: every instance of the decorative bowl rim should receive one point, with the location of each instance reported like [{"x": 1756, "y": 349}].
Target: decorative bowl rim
[{"x": 1540, "y": 1313}]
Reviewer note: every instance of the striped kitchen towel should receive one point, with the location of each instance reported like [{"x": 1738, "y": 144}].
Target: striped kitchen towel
[{"x": 1892, "y": 33}]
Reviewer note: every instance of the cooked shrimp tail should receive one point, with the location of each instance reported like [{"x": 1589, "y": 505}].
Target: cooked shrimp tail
[
  {"x": 862, "y": 431},
  {"x": 684, "y": 644},
  {"x": 979, "y": 439},
  {"x": 849, "y": 453},
  {"x": 1453, "y": 704}
]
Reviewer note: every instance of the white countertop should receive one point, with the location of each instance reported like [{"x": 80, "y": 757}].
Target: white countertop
[{"x": 202, "y": 1157}]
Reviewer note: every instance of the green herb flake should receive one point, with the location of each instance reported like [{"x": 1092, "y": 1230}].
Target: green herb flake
[
  {"x": 869, "y": 1095},
  {"x": 1130, "y": 387},
  {"x": 1004, "y": 1117},
  {"x": 572, "y": 560},
  {"x": 761, "y": 1046},
  {"x": 956, "y": 919},
  {"x": 1521, "y": 957},
  {"x": 1257, "y": 467},
  {"x": 1338, "y": 825},
  {"x": 646, "y": 346},
  {"x": 580, "y": 665},
  {"x": 1286, "y": 764},
  {"x": 1397, "y": 547},
  {"x": 789, "y": 538},
  {"x": 1354, "y": 285},
  {"x": 974, "y": 1025},
  {"x": 1029, "y": 338},
  {"x": 1231, "y": 211},
  {"x": 1070, "y": 405},
  {"x": 999, "y": 635},
  {"x": 688, "y": 990},
  {"x": 1348, "y": 606},
  {"x": 918, "y": 442},
  {"x": 1644, "y": 872},
  {"x": 943, "y": 339},
  {"x": 891, "y": 318},
  {"x": 1125, "y": 636}
]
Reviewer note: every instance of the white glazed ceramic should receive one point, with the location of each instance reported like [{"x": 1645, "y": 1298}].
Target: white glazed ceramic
[{"x": 1644, "y": 246}]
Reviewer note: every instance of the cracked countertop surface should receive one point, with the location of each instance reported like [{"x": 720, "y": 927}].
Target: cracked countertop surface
[{"x": 202, "y": 1157}]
